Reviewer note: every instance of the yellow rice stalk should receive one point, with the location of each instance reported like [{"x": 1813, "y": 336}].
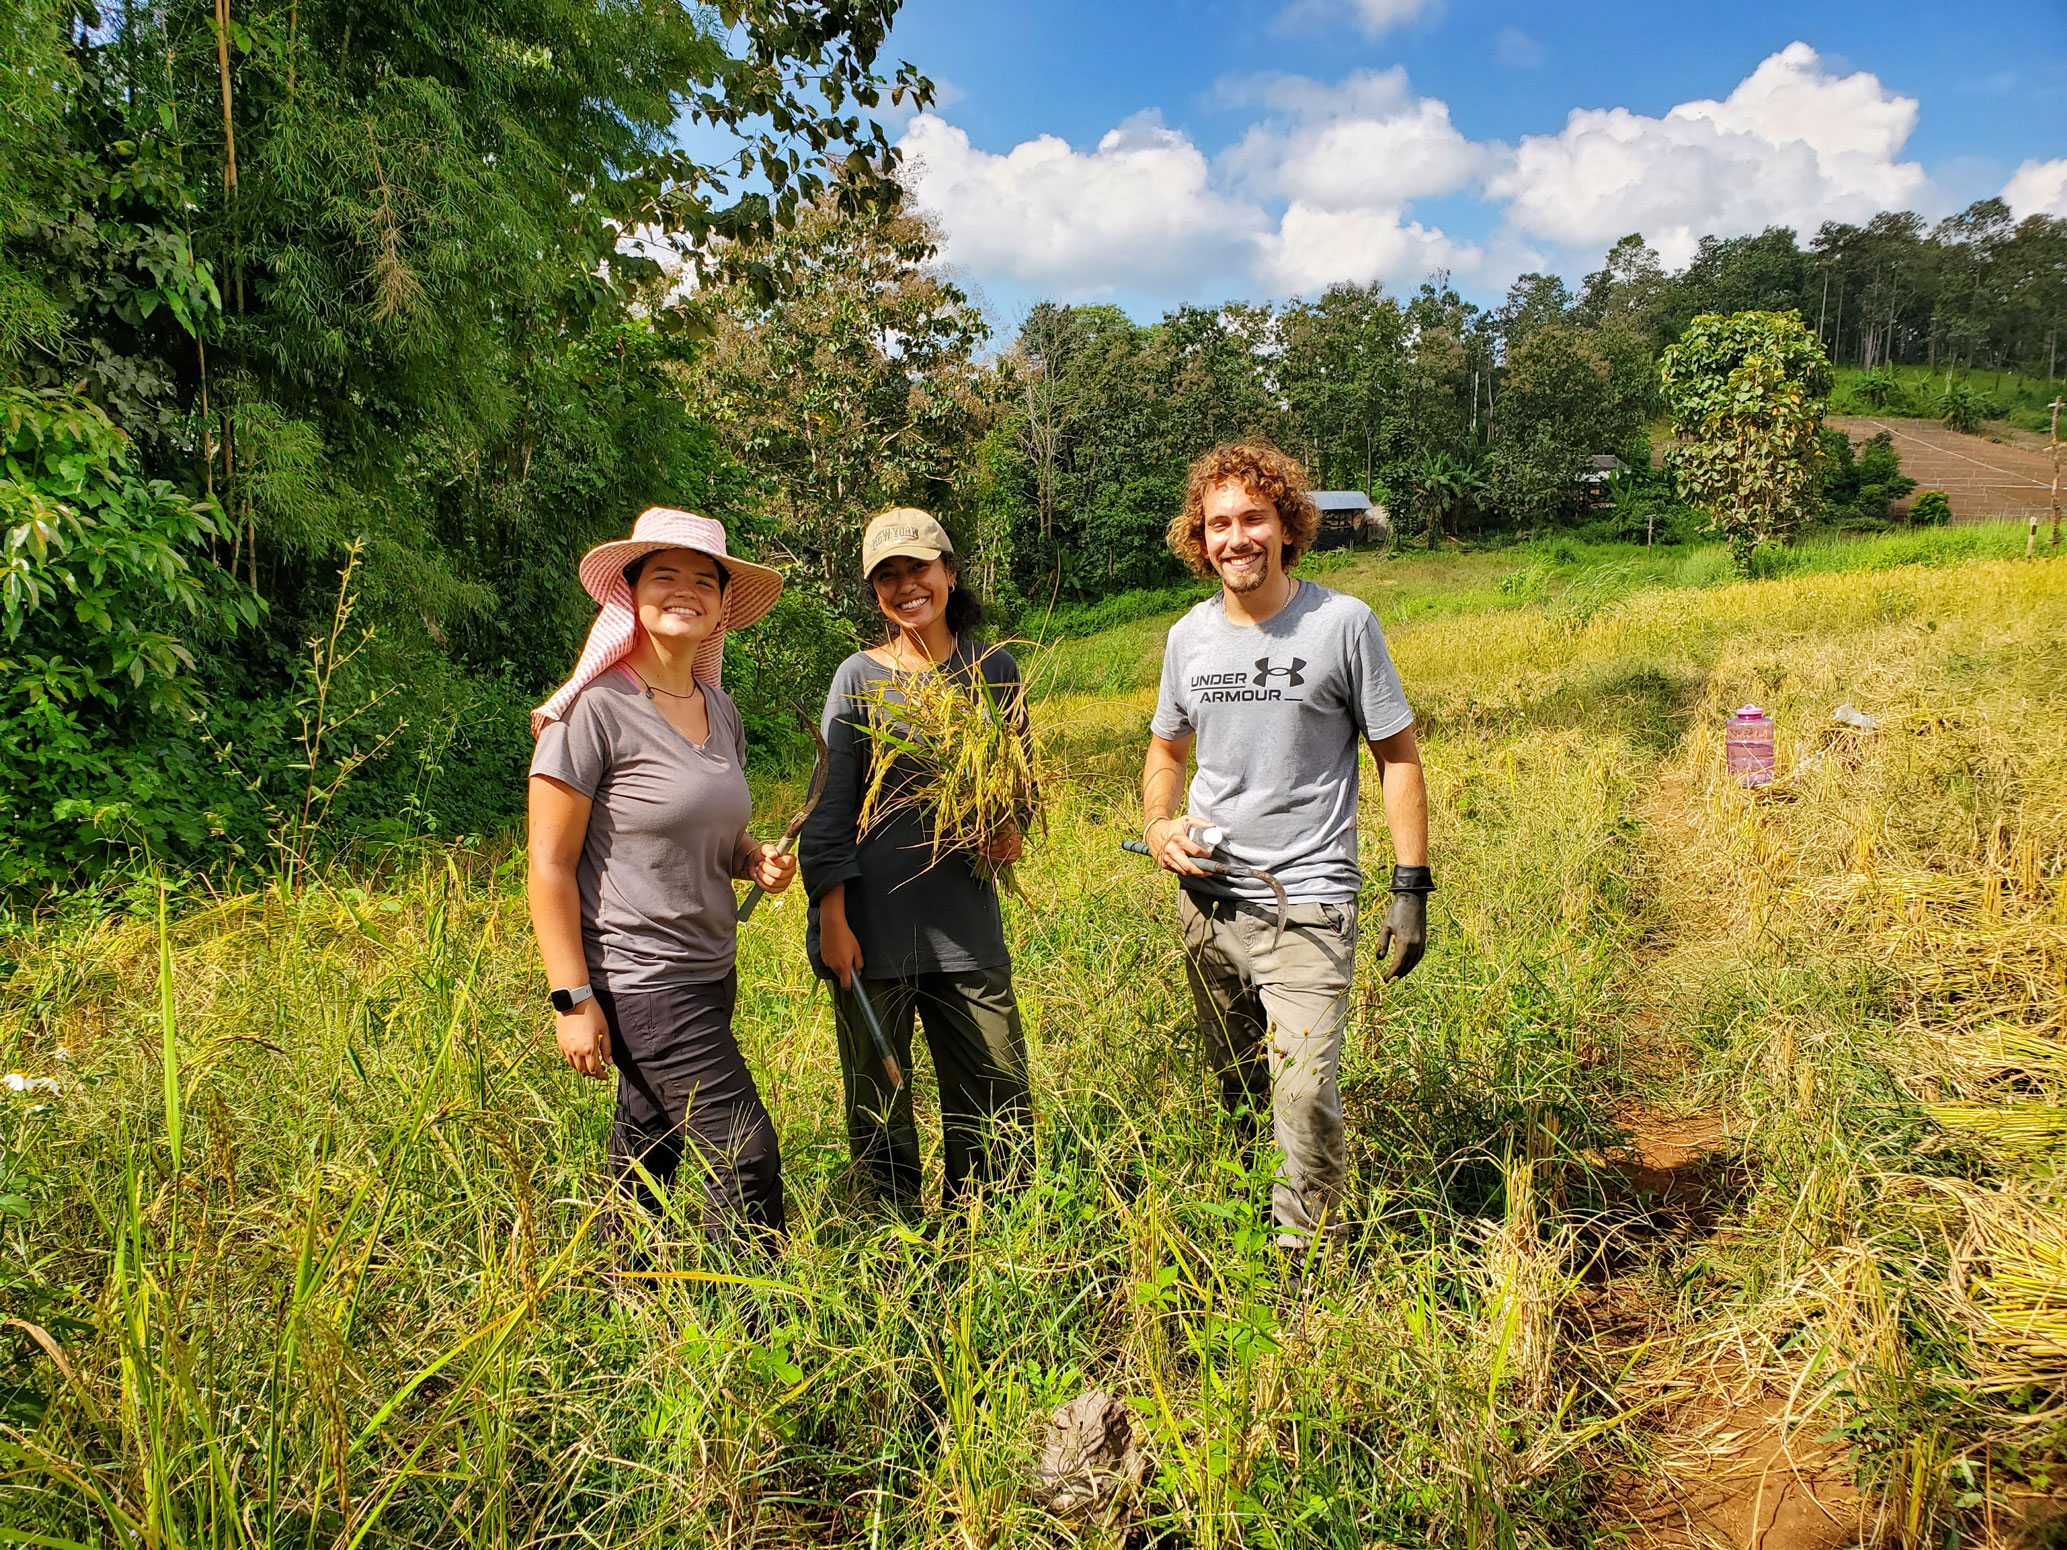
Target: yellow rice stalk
[
  {"x": 2011, "y": 1275},
  {"x": 956, "y": 750},
  {"x": 2016, "y": 1127}
]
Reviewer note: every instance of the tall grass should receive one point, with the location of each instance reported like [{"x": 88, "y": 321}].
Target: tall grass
[{"x": 361, "y": 1298}]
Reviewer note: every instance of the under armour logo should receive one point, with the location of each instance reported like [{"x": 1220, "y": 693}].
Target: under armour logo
[{"x": 1292, "y": 676}]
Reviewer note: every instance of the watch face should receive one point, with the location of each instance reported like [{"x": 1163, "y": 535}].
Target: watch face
[{"x": 563, "y": 1001}]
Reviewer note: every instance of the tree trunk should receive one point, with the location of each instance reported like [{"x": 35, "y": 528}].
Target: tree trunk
[{"x": 222, "y": 61}]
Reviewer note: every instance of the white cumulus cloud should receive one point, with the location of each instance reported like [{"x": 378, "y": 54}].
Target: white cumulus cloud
[
  {"x": 2038, "y": 188},
  {"x": 1369, "y": 141},
  {"x": 1323, "y": 183},
  {"x": 1792, "y": 145},
  {"x": 1137, "y": 213},
  {"x": 1314, "y": 248}
]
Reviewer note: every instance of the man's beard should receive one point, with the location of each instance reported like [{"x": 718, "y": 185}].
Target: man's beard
[{"x": 1245, "y": 581}]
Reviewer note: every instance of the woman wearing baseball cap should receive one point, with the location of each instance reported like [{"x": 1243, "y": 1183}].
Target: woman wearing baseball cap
[
  {"x": 920, "y": 938},
  {"x": 639, "y": 811}
]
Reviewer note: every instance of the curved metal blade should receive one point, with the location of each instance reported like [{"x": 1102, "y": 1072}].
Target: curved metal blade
[{"x": 1284, "y": 908}]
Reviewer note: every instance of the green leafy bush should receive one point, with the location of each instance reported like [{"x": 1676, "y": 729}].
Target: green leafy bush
[
  {"x": 106, "y": 581},
  {"x": 1963, "y": 409},
  {"x": 1932, "y": 509},
  {"x": 782, "y": 663},
  {"x": 1858, "y": 484},
  {"x": 1879, "y": 389}
]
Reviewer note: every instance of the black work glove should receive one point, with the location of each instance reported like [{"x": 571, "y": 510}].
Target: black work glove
[{"x": 1404, "y": 933}]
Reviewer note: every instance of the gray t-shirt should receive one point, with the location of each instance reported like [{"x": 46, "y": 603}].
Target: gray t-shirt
[
  {"x": 911, "y": 914},
  {"x": 657, "y": 908},
  {"x": 1279, "y": 709}
]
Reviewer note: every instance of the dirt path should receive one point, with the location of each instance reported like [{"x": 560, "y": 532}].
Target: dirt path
[
  {"x": 1982, "y": 478},
  {"x": 1735, "y": 1458}
]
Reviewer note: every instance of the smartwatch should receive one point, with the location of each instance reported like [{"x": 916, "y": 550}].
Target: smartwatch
[{"x": 568, "y": 1000}]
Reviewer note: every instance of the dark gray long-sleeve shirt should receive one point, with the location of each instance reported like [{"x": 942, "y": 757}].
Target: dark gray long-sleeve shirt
[{"x": 911, "y": 914}]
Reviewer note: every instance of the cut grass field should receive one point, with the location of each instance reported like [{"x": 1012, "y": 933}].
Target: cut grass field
[{"x": 1716, "y": 1126}]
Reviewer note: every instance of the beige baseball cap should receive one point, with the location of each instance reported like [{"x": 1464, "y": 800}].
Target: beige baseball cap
[{"x": 902, "y": 530}]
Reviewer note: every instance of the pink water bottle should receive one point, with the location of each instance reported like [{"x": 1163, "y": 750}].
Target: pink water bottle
[{"x": 1748, "y": 746}]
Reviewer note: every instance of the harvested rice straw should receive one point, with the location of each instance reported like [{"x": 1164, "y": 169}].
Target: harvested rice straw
[
  {"x": 956, "y": 749},
  {"x": 2010, "y": 1272},
  {"x": 2015, "y": 1127}
]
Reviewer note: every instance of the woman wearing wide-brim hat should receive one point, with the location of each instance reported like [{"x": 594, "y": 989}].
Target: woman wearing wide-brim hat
[{"x": 639, "y": 809}]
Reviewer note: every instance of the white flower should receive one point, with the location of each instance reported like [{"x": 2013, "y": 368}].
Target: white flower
[
  {"x": 15, "y": 1082},
  {"x": 63, "y": 1054}
]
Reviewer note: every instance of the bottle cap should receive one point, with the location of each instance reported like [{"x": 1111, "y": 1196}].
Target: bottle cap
[{"x": 1748, "y": 713}]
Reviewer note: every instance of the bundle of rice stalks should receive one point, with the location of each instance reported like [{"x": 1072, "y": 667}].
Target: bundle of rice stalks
[
  {"x": 2010, "y": 1273},
  {"x": 1982, "y": 1064},
  {"x": 2013, "y": 1127},
  {"x": 957, "y": 750}
]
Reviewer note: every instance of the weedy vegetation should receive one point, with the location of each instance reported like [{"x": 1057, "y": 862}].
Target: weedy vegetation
[{"x": 304, "y": 1250}]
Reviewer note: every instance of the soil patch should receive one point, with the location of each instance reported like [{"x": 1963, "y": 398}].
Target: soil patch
[
  {"x": 1741, "y": 1472},
  {"x": 1983, "y": 479},
  {"x": 1731, "y": 1460}
]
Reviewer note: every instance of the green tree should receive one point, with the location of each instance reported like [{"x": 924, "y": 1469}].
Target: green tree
[
  {"x": 1534, "y": 302},
  {"x": 106, "y": 590},
  {"x": 376, "y": 273},
  {"x": 854, "y": 386},
  {"x": 1746, "y": 393},
  {"x": 1440, "y": 484},
  {"x": 1630, "y": 288},
  {"x": 1763, "y": 273},
  {"x": 1339, "y": 369}
]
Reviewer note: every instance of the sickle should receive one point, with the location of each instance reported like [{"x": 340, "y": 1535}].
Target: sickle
[
  {"x": 875, "y": 1033},
  {"x": 1213, "y": 868},
  {"x": 819, "y": 771}
]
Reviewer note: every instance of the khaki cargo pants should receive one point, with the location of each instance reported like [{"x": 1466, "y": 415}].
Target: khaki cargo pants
[{"x": 1271, "y": 1021}]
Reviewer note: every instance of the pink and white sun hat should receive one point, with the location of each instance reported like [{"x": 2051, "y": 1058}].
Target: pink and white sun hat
[{"x": 750, "y": 592}]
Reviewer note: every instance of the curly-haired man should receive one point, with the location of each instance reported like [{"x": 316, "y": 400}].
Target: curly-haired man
[{"x": 1274, "y": 682}]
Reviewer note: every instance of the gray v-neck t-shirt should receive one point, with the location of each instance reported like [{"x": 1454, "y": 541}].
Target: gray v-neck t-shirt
[{"x": 657, "y": 908}]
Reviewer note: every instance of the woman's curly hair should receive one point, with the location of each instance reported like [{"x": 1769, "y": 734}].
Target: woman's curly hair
[{"x": 1266, "y": 473}]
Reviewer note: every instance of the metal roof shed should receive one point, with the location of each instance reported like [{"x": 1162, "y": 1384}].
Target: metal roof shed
[
  {"x": 1347, "y": 515},
  {"x": 1341, "y": 500}
]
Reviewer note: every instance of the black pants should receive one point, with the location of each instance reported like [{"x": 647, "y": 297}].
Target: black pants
[
  {"x": 683, "y": 1087},
  {"x": 979, "y": 1054}
]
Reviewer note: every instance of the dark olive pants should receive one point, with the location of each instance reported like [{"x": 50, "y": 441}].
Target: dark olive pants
[
  {"x": 979, "y": 1053},
  {"x": 684, "y": 1090}
]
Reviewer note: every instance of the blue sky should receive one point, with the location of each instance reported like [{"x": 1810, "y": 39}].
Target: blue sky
[{"x": 1156, "y": 151}]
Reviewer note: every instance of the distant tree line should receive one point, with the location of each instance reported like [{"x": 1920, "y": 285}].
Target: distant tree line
[{"x": 1462, "y": 418}]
